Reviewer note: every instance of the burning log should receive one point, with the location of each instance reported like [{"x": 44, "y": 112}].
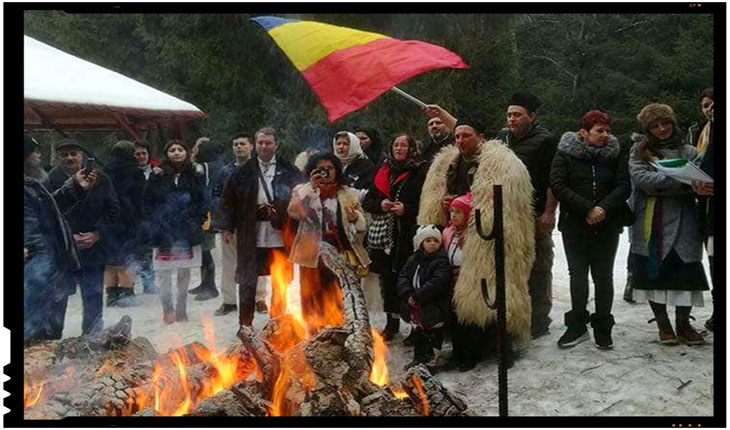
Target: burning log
[
  {"x": 282, "y": 370},
  {"x": 359, "y": 343},
  {"x": 242, "y": 400},
  {"x": 430, "y": 396}
]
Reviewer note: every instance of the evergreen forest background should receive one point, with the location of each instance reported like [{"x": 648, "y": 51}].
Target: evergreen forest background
[{"x": 230, "y": 68}]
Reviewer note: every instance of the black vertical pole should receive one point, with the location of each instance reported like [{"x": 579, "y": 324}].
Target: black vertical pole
[
  {"x": 501, "y": 299},
  {"x": 497, "y": 235}
]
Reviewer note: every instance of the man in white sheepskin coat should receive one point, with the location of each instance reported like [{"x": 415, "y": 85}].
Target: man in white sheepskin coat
[{"x": 475, "y": 164}]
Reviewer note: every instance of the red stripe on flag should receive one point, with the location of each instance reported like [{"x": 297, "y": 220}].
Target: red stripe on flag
[{"x": 347, "y": 80}]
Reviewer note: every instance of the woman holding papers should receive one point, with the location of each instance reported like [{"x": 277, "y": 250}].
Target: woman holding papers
[{"x": 666, "y": 243}]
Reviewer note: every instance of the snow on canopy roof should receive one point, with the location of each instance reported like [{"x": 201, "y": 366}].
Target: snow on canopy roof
[{"x": 53, "y": 76}]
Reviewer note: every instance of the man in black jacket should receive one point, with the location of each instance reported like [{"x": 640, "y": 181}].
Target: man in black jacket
[
  {"x": 535, "y": 146},
  {"x": 93, "y": 223},
  {"x": 51, "y": 261},
  {"x": 254, "y": 208}
]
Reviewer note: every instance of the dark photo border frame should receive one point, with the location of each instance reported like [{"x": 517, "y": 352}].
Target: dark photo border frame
[{"x": 13, "y": 53}]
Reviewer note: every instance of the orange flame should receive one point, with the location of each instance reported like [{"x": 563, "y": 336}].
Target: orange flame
[
  {"x": 425, "y": 407},
  {"x": 399, "y": 393},
  {"x": 281, "y": 275},
  {"x": 379, "y": 371},
  {"x": 30, "y": 399},
  {"x": 277, "y": 395},
  {"x": 321, "y": 300},
  {"x": 185, "y": 407}
]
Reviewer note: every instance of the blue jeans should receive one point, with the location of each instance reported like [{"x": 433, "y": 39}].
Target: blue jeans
[{"x": 92, "y": 297}]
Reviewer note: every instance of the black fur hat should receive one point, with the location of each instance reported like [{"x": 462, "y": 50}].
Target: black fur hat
[{"x": 527, "y": 100}]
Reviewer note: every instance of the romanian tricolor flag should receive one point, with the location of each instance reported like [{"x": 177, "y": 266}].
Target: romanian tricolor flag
[{"x": 349, "y": 68}]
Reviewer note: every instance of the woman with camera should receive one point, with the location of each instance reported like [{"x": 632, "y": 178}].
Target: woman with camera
[
  {"x": 328, "y": 211},
  {"x": 393, "y": 202}
]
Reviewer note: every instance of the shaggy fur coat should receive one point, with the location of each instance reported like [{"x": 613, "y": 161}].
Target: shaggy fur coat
[{"x": 497, "y": 165}]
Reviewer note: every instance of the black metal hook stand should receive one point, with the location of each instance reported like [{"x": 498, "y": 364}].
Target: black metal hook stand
[{"x": 500, "y": 303}]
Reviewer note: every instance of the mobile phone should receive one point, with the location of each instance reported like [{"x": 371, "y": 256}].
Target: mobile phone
[{"x": 90, "y": 164}]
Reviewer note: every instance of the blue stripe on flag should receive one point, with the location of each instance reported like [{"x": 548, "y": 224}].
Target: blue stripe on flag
[{"x": 269, "y": 22}]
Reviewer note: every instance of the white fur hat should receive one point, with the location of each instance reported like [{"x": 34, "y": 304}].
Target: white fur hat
[{"x": 423, "y": 233}]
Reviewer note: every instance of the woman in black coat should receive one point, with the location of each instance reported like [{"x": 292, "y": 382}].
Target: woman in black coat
[
  {"x": 129, "y": 182},
  {"x": 589, "y": 177},
  {"x": 174, "y": 208},
  {"x": 393, "y": 202}
]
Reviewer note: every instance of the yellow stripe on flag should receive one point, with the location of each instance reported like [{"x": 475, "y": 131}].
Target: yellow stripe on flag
[{"x": 307, "y": 42}]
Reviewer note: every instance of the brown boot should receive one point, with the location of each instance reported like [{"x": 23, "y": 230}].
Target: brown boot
[
  {"x": 666, "y": 333},
  {"x": 686, "y": 332}
]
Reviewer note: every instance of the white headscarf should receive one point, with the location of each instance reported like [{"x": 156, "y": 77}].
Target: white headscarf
[{"x": 355, "y": 149}]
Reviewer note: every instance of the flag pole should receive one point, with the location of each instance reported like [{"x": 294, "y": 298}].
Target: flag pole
[{"x": 407, "y": 96}]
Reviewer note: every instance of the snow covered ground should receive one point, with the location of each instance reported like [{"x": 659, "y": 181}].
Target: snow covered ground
[{"x": 639, "y": 377}]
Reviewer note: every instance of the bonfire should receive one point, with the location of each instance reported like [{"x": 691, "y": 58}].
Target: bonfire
[{"x": 331, "y": 365}]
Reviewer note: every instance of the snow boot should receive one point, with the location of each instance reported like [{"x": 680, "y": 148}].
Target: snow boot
[
  {"x": 225, "y": 309},
  {"x": 127, "y": 298},
  {"x": 602, "y": 324},
  {"x": 391, "y": 328},
  {"x": 629, "y": 290},
  {"x": 666, "y": 333},
  {"x": 685, "y": 332},
  {"x": 710, "y": 323},
  {"x": 112, "y": 296},
  {"x": 577, "y": 332}
]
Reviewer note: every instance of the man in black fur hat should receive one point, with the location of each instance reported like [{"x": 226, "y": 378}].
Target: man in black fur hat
[{"x": 536, "y": 146}]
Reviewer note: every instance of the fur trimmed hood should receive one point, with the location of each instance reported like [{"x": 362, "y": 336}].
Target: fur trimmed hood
[
  {"x": 572, "y": 144},
  {"x": 497, "y": 165}
]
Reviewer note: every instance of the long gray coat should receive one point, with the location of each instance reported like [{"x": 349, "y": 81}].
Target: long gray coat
[{"x": 681, "y": 224}]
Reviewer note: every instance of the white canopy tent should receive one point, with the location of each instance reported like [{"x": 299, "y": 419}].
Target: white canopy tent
[{"x": 62, "y": 91}]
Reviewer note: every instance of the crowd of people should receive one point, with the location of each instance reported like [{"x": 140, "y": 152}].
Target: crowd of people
[{"x": 401, "y": 213}]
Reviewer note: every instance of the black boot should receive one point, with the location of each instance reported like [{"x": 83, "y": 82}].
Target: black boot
[
  {"x": 602, "y": 324},
  {"x": 577, "y": 332},
  {"x": 629, "y": 290},
  {"x": 112, "y": 296},
  {"x": 391, "y": 328},
  {"x": 408, "y": 341},
  {"x": 126, "y": 298},
  {"x": 209, "y": 290}
]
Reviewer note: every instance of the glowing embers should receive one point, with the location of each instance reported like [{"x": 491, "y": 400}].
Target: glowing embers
[
  {"x": 379, "y": 371},
  {"x": 399, "y": 393},
  {"x": 423, "y": 405},
  {"x": 32, "y": 392}
]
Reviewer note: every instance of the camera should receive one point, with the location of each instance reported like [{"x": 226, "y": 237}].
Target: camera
[{"x": 323, "y": 172}]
